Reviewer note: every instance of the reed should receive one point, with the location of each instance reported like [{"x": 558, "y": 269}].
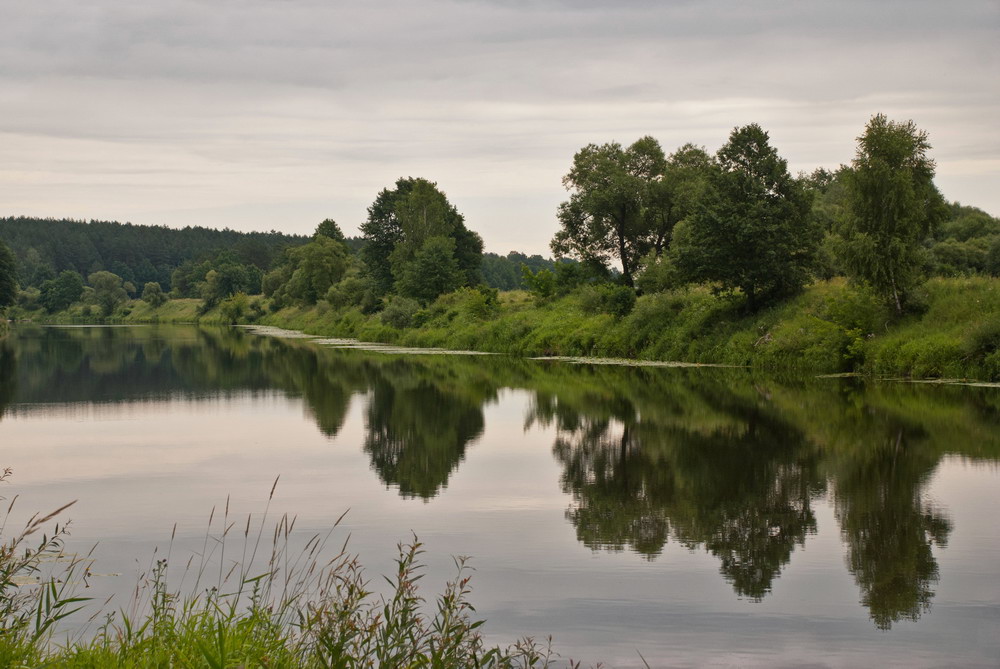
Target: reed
[{"x": 265, "y": 605}]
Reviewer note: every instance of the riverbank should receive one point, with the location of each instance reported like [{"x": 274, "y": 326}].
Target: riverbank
[{"x": 951, "y": 331}]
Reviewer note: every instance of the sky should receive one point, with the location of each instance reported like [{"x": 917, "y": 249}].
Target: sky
[{"x": 276, "y": 114}]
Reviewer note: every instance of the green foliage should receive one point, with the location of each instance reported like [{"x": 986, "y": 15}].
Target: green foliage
[
  {"x": 541, "y": 284},
  {"x": 399, "y": 312},
  {"x": 433, "y": 270},
  {"x": 108, "y": 291},
  {"x": 57, "y": 294},
  {"x": 894, "y": 206},
  {"x": 235, "y": 307},
  {"x": 153, "y": 295},
  {"x": 137, "y": 253},
  {"x": 349, "y": 292},
  {"x": 607, "y": 299},
  {"x": 961, "y": 258},
  {"x": 481, "y": 302},
  {"x": 399, "y": 224},
  {"x": 8, "y": 276},
  {"x": 676, "y": 195},
  {"x": 754, "y": 233},
  {"x": 992, "y": 264},
  {"x": 607, "y": 215},
  {"x": 504, "y": 272},
  {"x": 659, "y": 274},
  {"x": 316, "y": 266},
  {"x": 329, "y": 228}
]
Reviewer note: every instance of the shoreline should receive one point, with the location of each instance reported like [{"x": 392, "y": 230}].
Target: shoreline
[{"x": 831, "y": 328}]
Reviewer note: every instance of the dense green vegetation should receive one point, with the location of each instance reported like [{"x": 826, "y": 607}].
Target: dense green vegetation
[
  {"x": 725, "y": 258},
  {"x": 136, "y": 253}
]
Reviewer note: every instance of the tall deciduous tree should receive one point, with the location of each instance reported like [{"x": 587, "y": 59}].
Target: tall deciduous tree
[
  {"x": 753, "y": 232},
  {"x": 677, "y": 194},
  {"x": 432, "y": 271},
  {"x": 57, "y": 294},
  {"x": 399, "y": 223},
  {"x": 605, "y": 216},
  {"x": 8, "y": 277},
  {"x": 108, "y": 291},
  {"x": 893, "y": 207}
]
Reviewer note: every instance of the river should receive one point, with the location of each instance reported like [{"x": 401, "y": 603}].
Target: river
[{"x": 698, "y": 516}]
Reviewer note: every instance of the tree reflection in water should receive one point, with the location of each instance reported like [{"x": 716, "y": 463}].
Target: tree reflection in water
[
  {"x": 740, "y": 490},
  {"x": 721, "y": 461}
]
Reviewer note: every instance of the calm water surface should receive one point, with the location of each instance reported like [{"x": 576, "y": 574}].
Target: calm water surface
[{"x": 702, "y": 517}]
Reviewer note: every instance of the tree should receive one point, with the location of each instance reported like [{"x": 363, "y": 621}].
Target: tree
[
  {"x": 893, "y": 207},
  {"x": 753, "y": 232},
  {"x": 8, "y": 277},
  {"x": 606, "y": 215},
  {"x": 677, "y": 194},
  {"x": 108, "y": 291},
  {"x": 57, "y": 294},
  {"x": 317, "y": 266},
  {"x": 153, "y": 295},
  {"x": 401, "y": 220},
  {"x": 329, "y": 228},
  {"x": 432, "y": 271}
]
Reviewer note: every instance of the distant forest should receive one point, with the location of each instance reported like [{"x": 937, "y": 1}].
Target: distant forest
[
  {"x": 140, "y": 254},
  {"x": 137, "y": 253}
]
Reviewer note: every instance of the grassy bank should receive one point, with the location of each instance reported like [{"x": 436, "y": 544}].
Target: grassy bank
[{"x": 951, "y": 331}]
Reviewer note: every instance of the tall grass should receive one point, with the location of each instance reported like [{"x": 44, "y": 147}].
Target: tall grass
[{"x": 312, "y": 607}]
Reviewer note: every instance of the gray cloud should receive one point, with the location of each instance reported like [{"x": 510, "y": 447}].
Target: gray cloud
[{"x": 261, "y": 114}]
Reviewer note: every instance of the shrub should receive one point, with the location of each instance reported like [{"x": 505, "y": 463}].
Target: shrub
[
  {"x": 399, "y": 312},
  {"x": 153, "y": 295},
  {"x": 607, "y": 299},
  {"x": 482, "y": 302},
  {"x": 984, "y": 339},
  {"x": 234, "y": 308},
  {"x": 347, "y": 293}
]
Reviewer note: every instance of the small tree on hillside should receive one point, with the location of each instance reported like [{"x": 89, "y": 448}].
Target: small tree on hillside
[
  {"x": 57, "y": 294},
  {"x": 152, "y": 294},
  {"x": 893, "y": 207},
  {"x": 108, "y": 291}
]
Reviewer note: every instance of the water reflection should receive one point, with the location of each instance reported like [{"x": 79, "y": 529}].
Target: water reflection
[
  {"x": 717, "y": 461},
  {"x": 716, "y": 470}
]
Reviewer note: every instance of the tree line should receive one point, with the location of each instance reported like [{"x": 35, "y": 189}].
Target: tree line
[
  {"x": 736, "y": 220},
  {"x": 739, "y": 221}
]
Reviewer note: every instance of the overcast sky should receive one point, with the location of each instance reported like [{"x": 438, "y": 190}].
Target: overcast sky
[{"x": 257, "y": 114}]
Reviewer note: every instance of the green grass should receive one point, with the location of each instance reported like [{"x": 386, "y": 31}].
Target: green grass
[
  {"x": 830, "y": 328},
  {"x": 314, "y": 608}
]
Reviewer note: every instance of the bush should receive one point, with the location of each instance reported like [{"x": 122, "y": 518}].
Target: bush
[
  {"x": 660, "y": 275},
  {"x": 984, "y": 339},
  {"x": 152, "y": 294},
  {"x": 607, "y": 299},
  {"x": 234, "y": 308},
  {"x": 482, "y": 302},
  {"x": 399, "y": 312},
  {"x": 347, "y": 293}
]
